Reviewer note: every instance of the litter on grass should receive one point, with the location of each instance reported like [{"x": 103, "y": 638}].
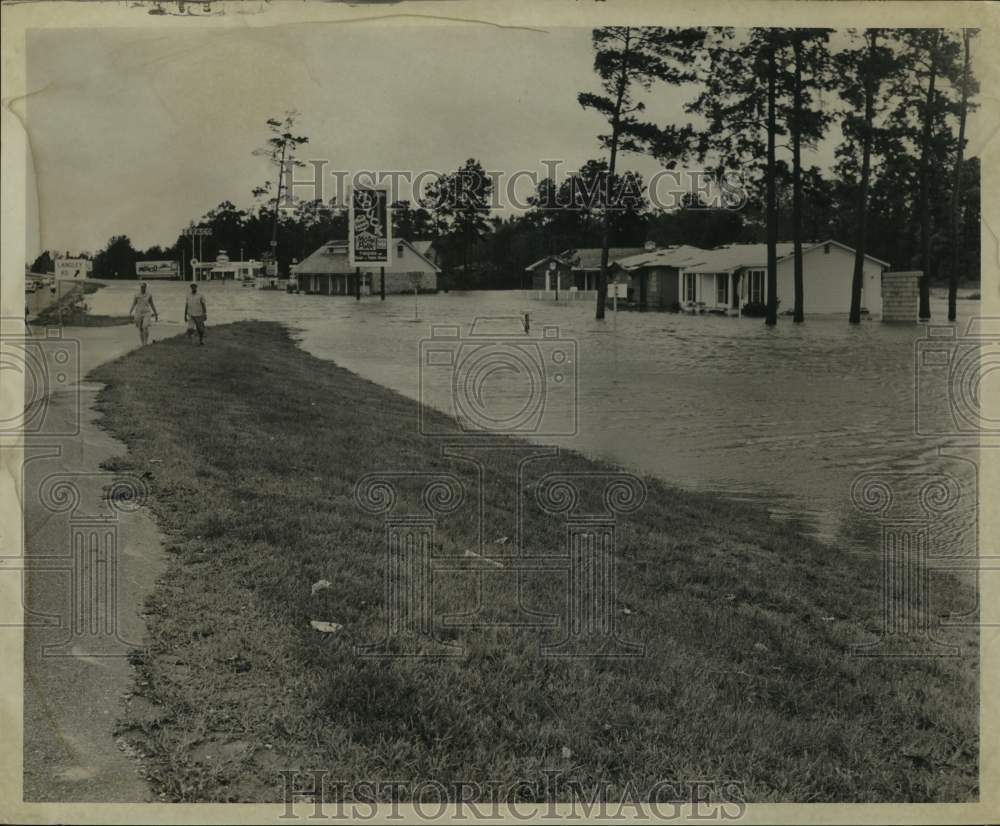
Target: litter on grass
[
  {"x": 319, "y": 585},
  {"x": 325, "y": 627}
]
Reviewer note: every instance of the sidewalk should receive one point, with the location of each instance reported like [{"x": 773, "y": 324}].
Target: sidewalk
[{"x": 83, "y": 615}]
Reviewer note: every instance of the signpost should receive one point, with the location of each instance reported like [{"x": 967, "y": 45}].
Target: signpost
[
  {"x": 369, "y": 227},
  {"x": 193, "y": 232},
  {"x": 73, "y": 267},
  {"x": 68, "y": 269}
]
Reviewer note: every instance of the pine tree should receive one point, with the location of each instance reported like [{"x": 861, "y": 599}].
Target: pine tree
[
  {"x": 627, "y": 57},
  {"x": 864, "y": 71},
  {"x": 967, "y": 89}
]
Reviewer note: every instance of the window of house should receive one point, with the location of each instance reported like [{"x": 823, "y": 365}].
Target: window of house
[
  {"x": 756, "y": 286},
  {"x": 722, "y": 288},
  {"x": 690, "y": 286}
]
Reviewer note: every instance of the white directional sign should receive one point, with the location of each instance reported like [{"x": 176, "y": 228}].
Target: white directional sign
[{"x": 73, "y": 267}]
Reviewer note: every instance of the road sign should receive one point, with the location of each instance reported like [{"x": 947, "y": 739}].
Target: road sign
[
  {"x": 196, "y": 231},
  {"x": 72, "y": 267},
  {"x": 370, "y": 227}
]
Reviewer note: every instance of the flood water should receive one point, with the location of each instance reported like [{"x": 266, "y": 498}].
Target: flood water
[{"x": 788, "y": 416}]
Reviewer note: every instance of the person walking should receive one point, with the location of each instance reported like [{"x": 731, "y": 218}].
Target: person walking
[
  {"x": 195, "y": 313},
  {"x": 143, "y": 310}
]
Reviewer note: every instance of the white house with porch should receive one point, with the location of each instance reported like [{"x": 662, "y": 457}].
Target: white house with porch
[{"x": 728, "y": 278}]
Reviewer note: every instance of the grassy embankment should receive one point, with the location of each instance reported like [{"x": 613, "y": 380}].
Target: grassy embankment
[
  {"x": 253, "y": 448},
  {"x": 73, "y": 307}
]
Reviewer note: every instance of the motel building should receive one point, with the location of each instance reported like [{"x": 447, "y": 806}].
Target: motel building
[
  {"x": 222, "y": 269},
  {"x": 728, "y": 279},
  {"x": 327, "y": 271}
]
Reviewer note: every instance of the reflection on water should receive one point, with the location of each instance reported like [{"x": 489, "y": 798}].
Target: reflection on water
[{"x": 787, "y": 415}]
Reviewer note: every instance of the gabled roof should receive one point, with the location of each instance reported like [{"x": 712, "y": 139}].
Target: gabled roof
[
  {"x": 754, "y": 256},
  {"x": 422, "y": 247},
  {"x": 810, "y": 247},
  {"x": 561, "y": 258},
  {"x": 736, "y": 257},
  {"x": 679, "y": 255},
  {"x": 587, "y": 258},
  {"x": 331, "y": 259}
]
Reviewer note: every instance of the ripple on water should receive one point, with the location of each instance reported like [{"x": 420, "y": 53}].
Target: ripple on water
[{"x": 786, "y": 416}]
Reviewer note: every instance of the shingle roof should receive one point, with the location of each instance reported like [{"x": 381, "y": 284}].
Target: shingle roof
[
  {"x": 735, "y": 257},
  {"x": 677, "y": 256},
  {"x": 589, "y": 258},
  {"x": 742, "y": 256},
  {"x": 332, "y": 259}
]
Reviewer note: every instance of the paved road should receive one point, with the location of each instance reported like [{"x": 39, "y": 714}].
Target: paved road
[{"x": 83, "y": 613}]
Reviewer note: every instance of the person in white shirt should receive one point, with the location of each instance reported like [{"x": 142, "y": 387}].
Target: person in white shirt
[
  {"x": 143, "y": 310},
  {"x": 195, "y": 313}
]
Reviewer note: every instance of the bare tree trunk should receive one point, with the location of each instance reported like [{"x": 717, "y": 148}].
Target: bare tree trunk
[
  {"x": 799, "y": 313},
  {"x": 860, "y": 239},
  {"x": 925, "y": 215},
  {"x": 277, "y": 206},
  {"x": 772, "y": 201},
  {"x": 956, "y": 192}
]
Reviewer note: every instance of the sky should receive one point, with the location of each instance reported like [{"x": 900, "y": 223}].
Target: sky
[{"x": 137, "y": 131}]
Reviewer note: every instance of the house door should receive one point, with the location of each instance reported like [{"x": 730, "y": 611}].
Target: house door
[{"x": 643, "y": 289}]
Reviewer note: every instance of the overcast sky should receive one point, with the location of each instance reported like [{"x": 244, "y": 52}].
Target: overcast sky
[{"x": 139, "y": 131}]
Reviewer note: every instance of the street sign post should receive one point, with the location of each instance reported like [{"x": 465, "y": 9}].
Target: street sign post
[
  {"x": 72, "y": 267},
  {"x": 193, "y": 232}
]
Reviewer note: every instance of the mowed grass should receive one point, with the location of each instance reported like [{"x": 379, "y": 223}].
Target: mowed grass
[
  {"x": 73, "y": 312},
  {"x": 252, "y": 449}
]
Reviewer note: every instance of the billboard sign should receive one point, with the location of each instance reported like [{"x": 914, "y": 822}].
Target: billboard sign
[
  {"x": 72, "y": 267},
  {"x": 156, "y": 269},
  {"x": 370, "y": 228}
]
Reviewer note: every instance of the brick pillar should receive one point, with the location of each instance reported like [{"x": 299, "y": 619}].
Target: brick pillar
[{"x": 900, "y": 294}]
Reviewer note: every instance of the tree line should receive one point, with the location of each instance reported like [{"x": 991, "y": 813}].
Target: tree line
[
  {"x": 904, "y": 95},
  {"x": 900, "y": 187}
]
